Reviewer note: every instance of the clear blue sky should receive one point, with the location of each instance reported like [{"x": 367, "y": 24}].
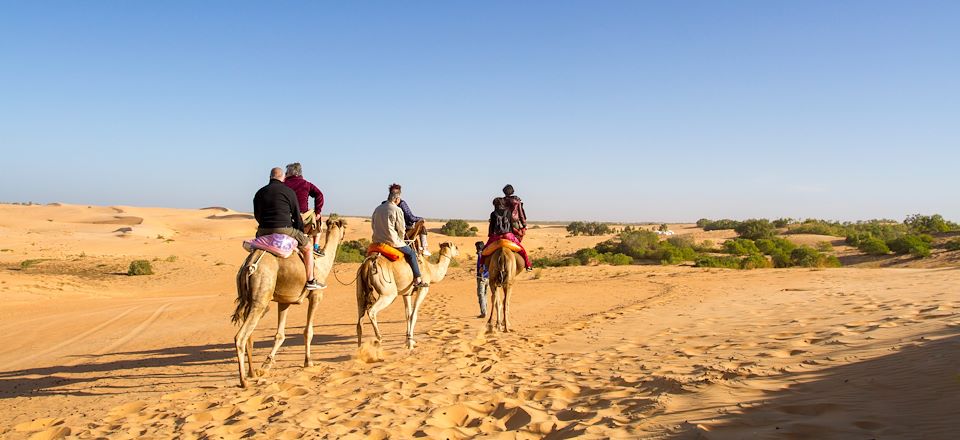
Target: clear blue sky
[{"x": 630, "y": 111}]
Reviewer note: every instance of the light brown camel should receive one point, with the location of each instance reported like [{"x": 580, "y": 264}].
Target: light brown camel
[
  {"x": 380, "y": 281},
  {"x": 264, "y": 278},
  {"x": 504, "y": 265}
]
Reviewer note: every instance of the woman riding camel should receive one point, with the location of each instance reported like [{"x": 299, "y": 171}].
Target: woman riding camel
[{"x": 500, "y": 229}]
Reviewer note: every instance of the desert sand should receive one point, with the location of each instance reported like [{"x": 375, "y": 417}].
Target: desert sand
[{"x": 597, "y": 352}]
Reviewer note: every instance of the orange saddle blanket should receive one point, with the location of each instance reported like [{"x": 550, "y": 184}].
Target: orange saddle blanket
[
  {"x": 500, "y": 244},
  {"x": 386, "y": 250}
]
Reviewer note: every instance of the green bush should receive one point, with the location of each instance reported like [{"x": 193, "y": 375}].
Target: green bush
[
  {"x": 915, "y": 245},
  {"x": 681, "y": 241},
  {"x": 588, "y": 228},
  {"x": 953, "y": 245},
  {"x": 352, "y": 251},
  {"x": 555, "y": 262},
  {"x": 740, "y": 246},
  {"x": 754, "y": 229},
  {"x": 755, "y": 262},
  {"x": 458, "y": 228},
  {"x": 873, "y": 246},
  {"x": 782, "y": 222},
  {"x": 928, "y": 224},
  {"x": 28, "y": 263},
  {"x": 589, "y": 256},
  {"x": 140, "y": 267},
  {"x": 709, "y": 225},
  {"x": 805, "y": 256},
  {"x": 781, "y": 258},
  {"x": 770, "y": 245},
  {"x": 825, "y": 246},
  {"x": 617, "y": 259},
  {"x": 722, "y": 262}
]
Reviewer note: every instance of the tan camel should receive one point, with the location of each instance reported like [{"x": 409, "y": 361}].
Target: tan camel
[
  {"x": 380, "y": 281},
  {"x": 264, "y": 278},
  {"x": 504, "y": 265}
]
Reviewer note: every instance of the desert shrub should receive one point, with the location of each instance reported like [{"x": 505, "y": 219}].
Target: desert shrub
[
  {"x": 873, "y": 246},
  {"x": 352, "y": 251},
  {"x": 928, "y": 224},
  {"x": 770, "y": 245},
  {"x": 719, "y": 225},
  {"x": 555, "y": 262},
  {"x": 723, "y": 262},
  {"x": 782, "y": 222},
  {"x": 805, "y": 256},
  {"x": 670, "y": 255},
  {"x": 825, "y": 246},
  {"x": 171, "y": 259},
  {"x": 952, "y": 245},
  {"x": 915, "y": 245},
  {"x": 587, "y": 255},
  {"x": 140, "y": 267},
  {"x": 617, "y": 259},
  {"x": 703, "y": 222},
  {"x": 458, "y": 228},
  {"x": 818, "y": 227},
  {"x": 740, "y": 246},
  {"x": 755, "y": 262},
  {"x": 781, "y": 258},
  {"x": 588, "y": 228},
  {"x": 754, "y": 229},
  {"x": 705, "y": 246},
  {"x": 681, "y": 241}
]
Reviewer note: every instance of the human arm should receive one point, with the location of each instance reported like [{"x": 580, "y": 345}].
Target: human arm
[
  {"x": 317, "y": 199},
  {"x": 408, "y": 214}
]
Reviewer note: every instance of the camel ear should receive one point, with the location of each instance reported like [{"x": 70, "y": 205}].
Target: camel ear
[{"x": 444, "y": 245}]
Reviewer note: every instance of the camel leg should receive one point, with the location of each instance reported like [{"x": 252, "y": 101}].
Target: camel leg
[
  {"x": 281, "y": 335},
  {"x": 407, "y": 314},
  {"x": 244, "y": 343},
  {"x": 360, "y": 328},
  {"x": 421, "y": 295},
  {"x": 507, "y": 290},
  {"x": 308, "y": 331},
  {"x": 494, "y": 320},
  {"x": 385, "y": 300}
]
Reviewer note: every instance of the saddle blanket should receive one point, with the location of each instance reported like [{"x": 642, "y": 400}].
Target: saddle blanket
[
  {"x": 390, "y": 252},
  {"x": 281, "y": 245}
]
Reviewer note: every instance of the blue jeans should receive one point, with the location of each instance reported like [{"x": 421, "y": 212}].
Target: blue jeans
[{"x": 411, "y": 257}]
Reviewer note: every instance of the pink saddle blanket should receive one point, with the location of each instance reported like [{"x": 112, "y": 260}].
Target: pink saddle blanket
[{"x": 281, "y": 245}]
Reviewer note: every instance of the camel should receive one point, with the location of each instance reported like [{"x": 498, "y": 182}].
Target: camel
[
  {"x": 380, "y": 281},
  {"x": 264, "y": 278},
  {"x": 504, "y": 265}
]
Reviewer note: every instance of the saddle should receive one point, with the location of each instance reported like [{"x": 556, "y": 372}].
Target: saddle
[
  {"x": 389, "y": 252},
  {"x": 502, "y": 243}
]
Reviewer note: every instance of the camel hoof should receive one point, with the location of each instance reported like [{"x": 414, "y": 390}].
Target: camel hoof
[
  {"x": 308, "y": 364},
  {"x": 243, "y": 384},
  {"x": 410, "y": 344},
  {"x": 262, "y": 372}
]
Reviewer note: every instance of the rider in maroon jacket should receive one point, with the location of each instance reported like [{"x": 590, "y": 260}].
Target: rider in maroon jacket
[{"x": 304, "y": 189}]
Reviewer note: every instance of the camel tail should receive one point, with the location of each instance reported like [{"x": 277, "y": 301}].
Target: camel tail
[
  {"x": 244, "y": 291},
  {"x": 365, "y": 290}
]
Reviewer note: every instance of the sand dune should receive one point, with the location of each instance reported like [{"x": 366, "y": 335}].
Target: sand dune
[{"x": 599, "y": 352}]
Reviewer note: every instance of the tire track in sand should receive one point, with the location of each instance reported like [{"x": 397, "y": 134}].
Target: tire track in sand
[{"x": 25, "y": 359}]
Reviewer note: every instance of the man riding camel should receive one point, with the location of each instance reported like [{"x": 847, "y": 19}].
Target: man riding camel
[
  {"x": 304, "y": 190},
  {"x": 277, "y": 212},
  {"x": 388, "y": 228},
  {"x": 414, "y": 226}
]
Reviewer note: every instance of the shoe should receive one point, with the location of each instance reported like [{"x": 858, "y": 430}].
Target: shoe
[
  {"x": 314, "y": 285},
  {"x": 482, "y": 315},
  {"x": 426, "y": 253},
  {"x": 420, "y": 284},
  {"x": 318, "y": 253},
  {"x": 529, "y": 269}
]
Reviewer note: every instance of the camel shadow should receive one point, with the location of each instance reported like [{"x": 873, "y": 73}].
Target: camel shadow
[
  {"x": 911, "y": 393},
  {"x": 143, "y": 371}
]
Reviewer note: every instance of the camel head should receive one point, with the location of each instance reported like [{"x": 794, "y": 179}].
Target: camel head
[
  {"x": 449, "y": 249},
  {"x": 339, "y": 225}
]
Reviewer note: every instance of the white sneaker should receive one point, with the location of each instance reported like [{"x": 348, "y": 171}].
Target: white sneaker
[{"x": 426, "y": 253}]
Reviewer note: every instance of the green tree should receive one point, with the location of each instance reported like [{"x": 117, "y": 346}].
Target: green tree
[{"x": 755, "y": 229}]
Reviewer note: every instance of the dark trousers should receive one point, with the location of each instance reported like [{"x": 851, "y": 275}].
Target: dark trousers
[{"x": 411, "y": 257}]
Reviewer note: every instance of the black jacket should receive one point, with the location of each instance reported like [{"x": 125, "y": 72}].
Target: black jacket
[{"x": 275, "y": 206}]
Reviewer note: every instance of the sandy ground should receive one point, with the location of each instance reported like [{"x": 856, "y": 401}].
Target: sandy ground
[{"x": 598, "y": 352}]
